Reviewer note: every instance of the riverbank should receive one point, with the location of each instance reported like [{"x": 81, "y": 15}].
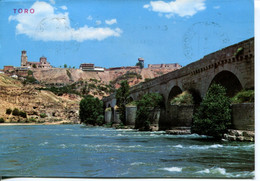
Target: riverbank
[
  {"x": 30, "y": 124},
  {"x": 232, "y": 135}
]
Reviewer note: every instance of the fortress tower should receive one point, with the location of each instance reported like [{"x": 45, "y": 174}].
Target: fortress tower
[
  {"x": 23, "y": 59},
  {"x": 141, "y": 61}
]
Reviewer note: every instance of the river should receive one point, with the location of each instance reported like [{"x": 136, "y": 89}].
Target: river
[{"x": 80, "y": 151}]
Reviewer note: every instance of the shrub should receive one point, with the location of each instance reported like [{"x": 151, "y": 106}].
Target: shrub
[
  {"x": 90, "y": 110},
  {"x": 145, "y": 106},
  {"x": 213, "y": 117},
  {"x": 43, "y": 115},
  {"x": 2, "y": 120},
  {"x": 30, "y": 79},
  {"x": 16, "y": 112},
  {"x": 68, "y": 74},
  {"x": 183, "y": 98},
  {"x": 133, "y": 103},
  {"x": 30, "y": 73},
  {"x": 239, "y": 51},
  {"x": 244, "y": 96},
  {"x": 8, "y": 111},
  {"x": 100, "y": 120},
  {"x": 32, "y": 120},
  {"x": 108, "y": 109},
  {"x": 23, "y": 114},
  {"x": 92, "y": 86}
]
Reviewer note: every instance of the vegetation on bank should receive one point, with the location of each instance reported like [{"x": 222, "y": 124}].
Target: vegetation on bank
[
  {"x": 213, "y": 117},
  {"x": 185, "y": 98},
  {"x": 16, "y": 112},
  {"x": 122, "y": 99},
  {"x": 91, "y": 111},
  {"x": 2, "y": 120},
  {"x": 145, "y": 106},
  {"x": 244, "y": 96}
]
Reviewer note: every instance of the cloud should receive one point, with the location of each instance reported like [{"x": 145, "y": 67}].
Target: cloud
[
  {"x": 110, "y": 22},
  {"x": 52, "y": 1},
  {"x": 64, "y": 7},
  {"x": 182, "y": 8},
  {"x": 89, "y": 18},
  {"x": 46, "y": 25},
  {"x": 98, "y": 22}
]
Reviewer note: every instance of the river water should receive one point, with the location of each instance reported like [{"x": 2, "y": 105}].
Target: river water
[{"x": 80, "y": 151}]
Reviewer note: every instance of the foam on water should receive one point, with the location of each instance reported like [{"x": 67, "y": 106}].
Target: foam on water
[
  {"x": 172, "y": 169},
  {"x": 42, "y": 144},
  {"x": 136, "y": 163},
  {"x": 62, "y": 146},
  {"x": 213, "y": 170},
  {"x": 205, "y": 147},
  {"x": 178, "y": 146},
  {"x": 223, "y": 172}
]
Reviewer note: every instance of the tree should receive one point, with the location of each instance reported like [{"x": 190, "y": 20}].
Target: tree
[
  {"x": 140, "y": 65},
  {"x": 122, "y": 98},
  {"x": 65, "y": 66},
  {"x": 145, "y": 106},
  {"x": 213, "y": 117},
  {"x": 91, "y": 110},
  {"x": 34, "y": 66},
  {"x": 30, "y": 73},
  {"x": 8, "y": 111}
]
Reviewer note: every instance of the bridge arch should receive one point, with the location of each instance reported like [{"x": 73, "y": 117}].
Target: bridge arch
[
  {"x": 196, "y": 95},
  {"x": 175, "y": 90},
  {"x": 228, "y": 80},
  {"x": 131, "y": 99}
]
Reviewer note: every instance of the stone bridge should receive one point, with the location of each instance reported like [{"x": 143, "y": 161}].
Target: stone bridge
[{"x": 232, "y": 67}]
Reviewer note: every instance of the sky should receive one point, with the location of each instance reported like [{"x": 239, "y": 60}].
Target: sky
[{"x": 113, "y": 33}]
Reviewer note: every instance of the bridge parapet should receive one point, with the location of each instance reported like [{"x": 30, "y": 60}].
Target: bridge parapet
[{"x": 238, "y": 56}]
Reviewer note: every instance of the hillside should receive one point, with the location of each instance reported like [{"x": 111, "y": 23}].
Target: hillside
[
  {"x": 68, "y": 76},
  {"x": 39, "y": 105}
]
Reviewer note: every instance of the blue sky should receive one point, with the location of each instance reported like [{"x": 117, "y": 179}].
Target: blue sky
[{"x": 113, "y": 33}]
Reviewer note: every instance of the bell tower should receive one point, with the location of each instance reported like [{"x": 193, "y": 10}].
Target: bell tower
[{"x": 23, "y": 59}]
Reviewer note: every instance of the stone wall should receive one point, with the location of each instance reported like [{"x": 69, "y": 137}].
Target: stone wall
[
  {"x": 243, "y": 117},
  {"x": 108, "y": 117},
  {"x": 116, "y": 117},
  {"x": 177, "y": 116},
  {"x": 130, "y": 115}
]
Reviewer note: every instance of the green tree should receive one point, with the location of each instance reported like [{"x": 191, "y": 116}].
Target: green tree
[
  {"x": 34, "y": 66},
  {"x": 122, "y": 98},
  {"x": 140, "y": 65},
  {"x": 8, "y": 111},
  {"x": 145, "y": 106},
  {"x": 65, "y": 66},
  {"x": 23, "y": 114},
  {"x": 91, "y": 110},
  {"x": 2, "y": 120},
  {"x": 213, "y": 117},
  {"x": 16, "y": 112},
  {"x": 30, "y": 73}
]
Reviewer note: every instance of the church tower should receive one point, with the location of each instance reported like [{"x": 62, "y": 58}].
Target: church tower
[{"x": 23, "y": 59}]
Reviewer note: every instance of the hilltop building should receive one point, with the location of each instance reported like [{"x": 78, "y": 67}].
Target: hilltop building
[
  {"x": 141, "y": 61},
  {"x": 90, "y": 67},
  {"x": 41, "y": 64}
]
